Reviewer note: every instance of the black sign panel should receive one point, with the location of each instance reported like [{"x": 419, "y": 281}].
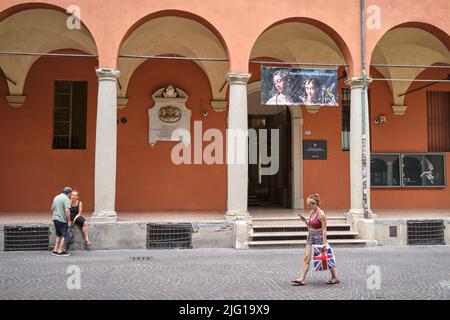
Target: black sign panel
[{"x": 315, "y": 149}]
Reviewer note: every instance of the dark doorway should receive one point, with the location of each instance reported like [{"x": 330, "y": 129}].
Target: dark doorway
[{"x": 273, "y": 190}]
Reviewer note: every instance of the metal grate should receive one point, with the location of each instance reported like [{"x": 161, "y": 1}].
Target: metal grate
[
  {"x": 169, "y": 236},
  {"x": 425, "y": 232},
  {"x": 30, "y": 238}
]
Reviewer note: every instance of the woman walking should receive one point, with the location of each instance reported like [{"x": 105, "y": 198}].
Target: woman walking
[{"x": 317, "y": 235}]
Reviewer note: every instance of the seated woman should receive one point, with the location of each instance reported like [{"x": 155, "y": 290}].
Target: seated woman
[{"x": 76, "y": 208}]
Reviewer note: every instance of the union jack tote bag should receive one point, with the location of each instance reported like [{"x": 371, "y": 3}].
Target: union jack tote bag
[{"x": 323, "y": 258}]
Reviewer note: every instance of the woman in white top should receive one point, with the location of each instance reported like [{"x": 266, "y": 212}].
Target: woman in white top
[{"x": 281, "y": 89}]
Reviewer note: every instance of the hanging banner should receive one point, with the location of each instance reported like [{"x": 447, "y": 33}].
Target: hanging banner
[{"x": 298, "y": 86}]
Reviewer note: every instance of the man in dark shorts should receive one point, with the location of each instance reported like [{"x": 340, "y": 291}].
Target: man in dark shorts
[{"x": 61, "y": 216}]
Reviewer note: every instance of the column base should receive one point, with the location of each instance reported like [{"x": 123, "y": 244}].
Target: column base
[
  {"x": 242, "y": 226},
  {"x": 354, "y": 218},
  {"x": 104, "y": 217},
  {"x": 235, "y": 216},
  {"x": 241, "y": 234},
  {"x": 360, "y": 213}
]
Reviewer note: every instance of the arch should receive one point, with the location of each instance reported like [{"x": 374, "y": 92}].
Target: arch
[
  {"x": 313, "y": 34},
  {"x": 438, "y": 33},
  {"x": 37, "y": 28},
  {"x": 409, "y": 43},
  {"x": 175, "y": 33}
]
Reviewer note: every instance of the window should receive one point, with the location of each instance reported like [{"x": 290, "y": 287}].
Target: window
[
  {"x": 385, "y": 170},
  {"x": 438, "y": 109},
  {"x": 345, "y": 105},
  {"x": 423, "y": 170},
  {"x": 70, "y": 115},
  {"x": 415, "y": 170}
]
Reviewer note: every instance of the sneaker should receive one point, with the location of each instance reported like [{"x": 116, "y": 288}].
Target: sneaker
[
  {"x": 63, "y": 254},
  {"x": 54, "y": 253}
]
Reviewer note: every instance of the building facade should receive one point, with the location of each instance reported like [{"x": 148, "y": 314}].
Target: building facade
[{"x": 75, "y": 97}]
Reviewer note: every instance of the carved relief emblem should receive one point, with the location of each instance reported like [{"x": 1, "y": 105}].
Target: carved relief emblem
[
  {"x": 170, "y": 92},
  {"x": 169, "y": 114}
]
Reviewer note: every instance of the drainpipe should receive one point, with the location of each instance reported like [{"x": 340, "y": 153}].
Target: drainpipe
[{"x": 365, "y": 174}]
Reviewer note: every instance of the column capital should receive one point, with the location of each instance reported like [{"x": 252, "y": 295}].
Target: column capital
[
  {"x": 107, "y": 73},
  {"x": 357, "y": 82},
  {"x": 238, "y": 78}
]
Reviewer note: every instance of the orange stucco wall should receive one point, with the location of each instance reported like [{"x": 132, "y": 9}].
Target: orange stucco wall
[
  {"x": 407, "y": 133},
  {"x": 147, "y": 179},
  {"x": 330, "y": 178},
  {"x": 31, "y": 172}
]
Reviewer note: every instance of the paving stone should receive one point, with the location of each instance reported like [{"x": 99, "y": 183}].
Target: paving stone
[{"x": 405, "y": 273}]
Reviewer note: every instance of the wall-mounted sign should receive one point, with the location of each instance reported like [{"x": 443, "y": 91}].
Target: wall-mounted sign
[{"x": 315, "y": 149}]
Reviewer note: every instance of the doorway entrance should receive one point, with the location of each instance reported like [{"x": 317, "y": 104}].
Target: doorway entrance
[
  {"x": 271, "y": 190},
  {"x": 285, "y": 189}
]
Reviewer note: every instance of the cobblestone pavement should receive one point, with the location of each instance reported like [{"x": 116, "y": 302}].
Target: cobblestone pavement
[{"x": 405, "y": 273}]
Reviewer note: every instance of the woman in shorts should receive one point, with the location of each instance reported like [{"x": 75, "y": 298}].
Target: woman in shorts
[
  {"x": 76, "y": 208},
  {"x": 317, "y": 235}
]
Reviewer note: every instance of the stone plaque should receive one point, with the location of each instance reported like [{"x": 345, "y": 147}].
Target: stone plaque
[{"x": 168, "y": 114}]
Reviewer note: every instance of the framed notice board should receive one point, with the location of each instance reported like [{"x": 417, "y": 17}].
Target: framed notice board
[{"x": 315, "y": 149}]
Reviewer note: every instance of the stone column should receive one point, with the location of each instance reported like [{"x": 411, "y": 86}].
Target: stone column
[
  {"x": 297, "y": 157},
  {"x": 237, "y": 147},
  {"x": 356, "y": 173},
  {"x": 106, "y": 146}
]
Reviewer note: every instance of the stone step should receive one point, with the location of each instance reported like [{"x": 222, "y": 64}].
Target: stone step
[
  {"x": 292, "y": 221},
  {"x": 275, "y": 218},
  {"x": 299, "y": 234},
  {"x": 303, "y": 226},
  {"x": 302, "y": 243}
]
